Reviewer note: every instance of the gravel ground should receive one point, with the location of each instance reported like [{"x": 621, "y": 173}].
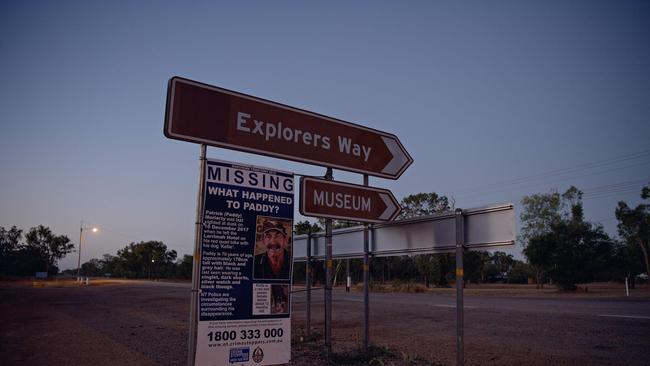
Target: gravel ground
[{"x": 142, "y": 323}]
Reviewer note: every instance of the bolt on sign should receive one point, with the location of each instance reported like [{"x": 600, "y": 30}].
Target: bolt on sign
[
  {"x": 210, "y": 115},
  {"x": 245, "y": 266},
  {"x": 338, "y": 200}
]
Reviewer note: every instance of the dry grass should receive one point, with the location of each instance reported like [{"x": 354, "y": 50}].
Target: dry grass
[{"x": 60, "y": 283}]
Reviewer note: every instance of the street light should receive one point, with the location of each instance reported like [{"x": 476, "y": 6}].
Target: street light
[{"x": 81, "y": 232}]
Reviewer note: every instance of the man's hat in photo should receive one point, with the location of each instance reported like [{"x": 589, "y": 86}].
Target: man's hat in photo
[{"x": 269, "y": 225}]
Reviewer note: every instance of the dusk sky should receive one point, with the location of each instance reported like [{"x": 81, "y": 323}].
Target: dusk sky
[{"x": 493, "y": 100}]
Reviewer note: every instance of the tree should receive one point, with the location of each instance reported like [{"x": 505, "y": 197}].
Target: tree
[
  {"x": 627, "y": 262},
  {"x": 184, "y": 267},
  {"x": 634, "y": 226},
  {"x": 578, "y": 252},
  {"x": 502, "y": 261},
  {"x": 305, "y": 227},
  {"x": 539, "y": 252},
  {"x": 9, "y": 245},
  {"x": 540, "y": 212},
  {"x": 147, "y": 259},
  {"x": 422, "y": 204},
  {"x": 9, "y": 240},
  {"x": 570, "y": 249},
  {"x": 483, "y": 266},
  {"x": 473, "y": 263},
  {"x": 92, "y": 268},
  {"x": 336, "y": 224},
  {"x": 112, "y": 265},
  {"x": 41, "y": 241},
  {"x": 520, "y": 272}
]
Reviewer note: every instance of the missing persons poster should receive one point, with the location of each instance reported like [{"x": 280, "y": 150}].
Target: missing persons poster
[{"x": 245, "y": 266}]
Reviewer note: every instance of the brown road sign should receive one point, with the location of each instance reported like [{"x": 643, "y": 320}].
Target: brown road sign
[
  {"x": 210, "y": 115},
  {"x": 337, "y": 200}
]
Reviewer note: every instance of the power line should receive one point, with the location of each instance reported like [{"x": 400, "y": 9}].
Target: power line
[
  {"x": 613, "y": 189},
  {"x": 584, "y": 166},
  {"x": 564, "y": 171},
  {"x": 540, "y": 183},
  {"x": 544, "y": 178}
]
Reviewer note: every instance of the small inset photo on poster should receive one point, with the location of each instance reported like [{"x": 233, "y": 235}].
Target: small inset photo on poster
[
  {"x": 272, "y": 248},
  {"x": 279, "y": 299},
  {"x": 261, "y": 299}
]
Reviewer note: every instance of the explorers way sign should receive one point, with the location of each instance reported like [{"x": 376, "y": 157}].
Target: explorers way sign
[{"x": 210, "y": 115}]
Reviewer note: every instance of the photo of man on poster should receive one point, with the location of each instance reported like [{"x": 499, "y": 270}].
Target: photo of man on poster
[{"x": 273, "y": 249}]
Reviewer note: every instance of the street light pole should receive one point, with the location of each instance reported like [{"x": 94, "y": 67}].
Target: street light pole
[{"x": 81, "y": 232}]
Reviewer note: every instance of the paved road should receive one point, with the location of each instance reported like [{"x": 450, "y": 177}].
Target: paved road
[
  {"x": 144, "y": 323},
  {"x": 499, "y": 330},
  {"x": 633, "y": 308}
]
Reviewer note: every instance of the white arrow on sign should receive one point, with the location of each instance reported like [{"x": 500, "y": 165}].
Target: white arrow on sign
[
  {"x": 391, "y": 207},
  {"x": 399, "y": 160}
]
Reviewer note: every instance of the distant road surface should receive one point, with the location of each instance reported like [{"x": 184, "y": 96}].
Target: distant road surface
[{"x": 146, "y": 323}]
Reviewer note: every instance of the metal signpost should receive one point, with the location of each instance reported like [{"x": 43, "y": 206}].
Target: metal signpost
[
  {"x": 366, "y": 280},
  {"x": 308, "y": 277},
  {"x": 460, "y": 242},
  {"x": 328, "y": 278},
  {"x": 345, "y": 201},
  {"x": 196, "y": 257},
  {"x": 207, "y": 114},
  {"x": 348, "y": 279}
]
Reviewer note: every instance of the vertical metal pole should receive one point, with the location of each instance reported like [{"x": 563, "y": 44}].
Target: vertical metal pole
[
  {"x": 347, "y": 275},
  {"x": 194, "y": 298},
  {"x": 460, "y": 242},
  {"x": 328, "y": 279},
  {"x": 81, "y": 231},
  {"x": 366, "y": 280},
  {"x": 308, "y": 271}
]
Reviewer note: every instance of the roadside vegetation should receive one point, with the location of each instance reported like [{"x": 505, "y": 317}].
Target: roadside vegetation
[
  {"x": 309, "y": 350},
  {"x": 564, "y": 248},
  {"x": 40, "y": 251},
  {"x": 561, "y": 247}
]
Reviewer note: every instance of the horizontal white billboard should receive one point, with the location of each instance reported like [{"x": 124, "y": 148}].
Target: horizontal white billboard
[{"x": 485, "y": 227}]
